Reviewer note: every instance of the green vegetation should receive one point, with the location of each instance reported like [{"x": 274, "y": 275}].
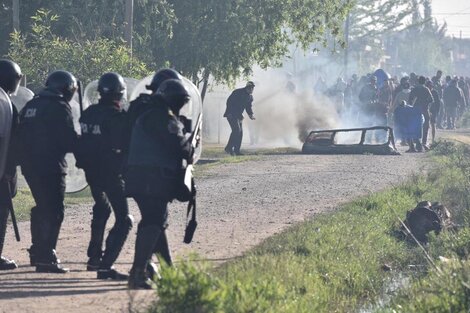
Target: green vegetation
[
  {"x": 23, "y": 202},
  {"x": 200, "y": 38},
  {"x": 341, "y": 262},
  {"x": 42, "y": 51}
]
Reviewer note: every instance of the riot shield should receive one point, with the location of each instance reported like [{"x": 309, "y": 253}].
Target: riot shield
[
  {"x": 22, "y": 96},
  {"x": 75, "y": 179},
  {"x": 6, "y": 117},
  {"x": 92, "y": 96},
  {"x": 190, "y": 110}
]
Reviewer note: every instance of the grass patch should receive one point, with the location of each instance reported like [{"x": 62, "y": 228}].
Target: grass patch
[
  {"x": 23, "y": 201},
  {"x": 215, "y": 155},
  {"x": 339, "y": 262}
]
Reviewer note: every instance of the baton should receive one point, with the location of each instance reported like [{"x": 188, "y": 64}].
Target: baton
[
  {"x": 12, "y": 214},
  {"x": 80, "y": 96}
]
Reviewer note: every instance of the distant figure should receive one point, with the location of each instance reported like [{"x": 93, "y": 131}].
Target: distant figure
[
  {"x": 421, "y": 98},
  {"x": 409, "y": 125},
  {"x": 453, "y": 97},
  {"x": 434, "y": 109},
  {"x": 239, "y": 101},
  {"x": 439, "y": 88}
]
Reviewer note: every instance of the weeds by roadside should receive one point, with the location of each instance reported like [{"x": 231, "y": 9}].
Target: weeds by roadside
[{"x": 344, "y": 261}]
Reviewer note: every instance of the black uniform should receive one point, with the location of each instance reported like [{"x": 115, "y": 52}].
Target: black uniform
[
  {"x": 157, "y": 149},
  {"x": 136, "y": 108},
  {"x": 8, "y": 187},
  {"x": 45, "y": 135},
  {"x": 238, "y": 102},
  {"x": 100, "y": 154}
]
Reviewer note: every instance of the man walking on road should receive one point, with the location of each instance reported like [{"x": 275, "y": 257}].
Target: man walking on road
[{"x": 240, "y": 100}]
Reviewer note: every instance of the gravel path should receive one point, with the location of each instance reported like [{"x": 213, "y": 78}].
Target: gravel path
[{"x": 240, "y": 204}]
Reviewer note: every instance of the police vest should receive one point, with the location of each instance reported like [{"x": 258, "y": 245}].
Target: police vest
[
  {"x": 34, "y": 134},
  {"x": 92, "y": 144},
  {"x": 148, "y": 151}
]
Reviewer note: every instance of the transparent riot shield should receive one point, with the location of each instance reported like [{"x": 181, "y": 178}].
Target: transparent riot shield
[
  {"x": 190, "y": 110},
  {"x": 22, "y": 96},
  {"x": 6, "y": 117},
  {"x": 91, "y": 95},
  {"x": 75, "y": 179}
]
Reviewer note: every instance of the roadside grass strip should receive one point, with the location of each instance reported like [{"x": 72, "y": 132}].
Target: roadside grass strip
[
  {"x": 24, "y": 201},
  {"x": 351, "y": 260}
]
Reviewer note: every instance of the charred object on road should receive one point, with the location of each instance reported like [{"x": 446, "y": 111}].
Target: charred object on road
[
  {"x": 377, "y": 140},
  {"x": 425, "y": 218}
]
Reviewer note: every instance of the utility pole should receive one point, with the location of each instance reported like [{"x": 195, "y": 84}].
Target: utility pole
[
  {"x": 346, "y": 41},
  {"x": 129, "y": 23},
  {"x": 16, "y": 15}
]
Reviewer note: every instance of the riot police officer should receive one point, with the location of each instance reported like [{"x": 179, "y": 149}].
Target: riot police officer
[
  {"x": 144, "y": 101},
  {"x": 157, "y": 149},
  {"x": 140, "y": 105},
  {"x": 46, "y": 133},
  {"x": 100, "y": 154},
  {"x": 10, "y": 76}
]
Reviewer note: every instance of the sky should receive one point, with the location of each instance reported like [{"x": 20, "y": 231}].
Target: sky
[{"x": 457, "y": 15}]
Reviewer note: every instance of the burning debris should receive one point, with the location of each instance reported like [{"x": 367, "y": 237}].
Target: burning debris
[
  {"x": 426, "y": 217},
  {"x": 374, "y": 140}
]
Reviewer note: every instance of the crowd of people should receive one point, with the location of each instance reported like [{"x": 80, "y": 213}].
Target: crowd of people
[
  {"x": 142, "y": 153},
  {"x": 413, "y": 105}
]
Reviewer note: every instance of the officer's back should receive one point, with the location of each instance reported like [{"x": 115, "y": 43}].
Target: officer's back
[
  {"x": 46, "y": 133},
  {"x": 102, "y": 140}
]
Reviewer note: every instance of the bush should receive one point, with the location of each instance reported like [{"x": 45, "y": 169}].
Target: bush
[{"x": 41, "y": 52}]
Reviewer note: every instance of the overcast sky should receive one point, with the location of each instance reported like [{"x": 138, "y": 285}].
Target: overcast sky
[{"x": 456, "y": 13}]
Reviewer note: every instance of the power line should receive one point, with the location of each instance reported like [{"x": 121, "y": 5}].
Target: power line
[
  {"x": 454, "y": 13},
  {"x": 461, "y": 12}
]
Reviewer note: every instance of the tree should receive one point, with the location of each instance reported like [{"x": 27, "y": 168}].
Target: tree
[
  {"x": 199, "y": 37},
  {"x": 41, "y": 52},
  {"x": 83, "y": 19},
  {"x": 225, "y": 39},
  {"x": 370, "y": 22}
]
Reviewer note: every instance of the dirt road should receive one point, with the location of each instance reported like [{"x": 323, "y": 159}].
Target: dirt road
[{"x": 240, "y": 204}]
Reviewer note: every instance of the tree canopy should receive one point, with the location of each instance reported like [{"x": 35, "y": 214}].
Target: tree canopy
[
  {"x": 197, "y": 37},
  {"x": 40, "y": 52}
]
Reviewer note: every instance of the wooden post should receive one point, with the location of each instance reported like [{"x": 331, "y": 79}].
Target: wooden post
[
  {"x": 346, "y": 48},
  {"x": 129, "y": 23},
  {"x": 16, "y": 15}
]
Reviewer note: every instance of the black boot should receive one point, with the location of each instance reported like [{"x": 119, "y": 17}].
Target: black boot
[
  {"x": 111, "y": 273},
  {"x": 49, "y": 264},
  {"x": 144, "y": 246},
  {"x": 35, "y": 236},
  {"x": 94, "y": 251},
  {"x": 152, "y": 271},
  {"x": 6, "y": 264},
  {"x": 116, "y": 239},
  {"x": 163, "y": 250}
]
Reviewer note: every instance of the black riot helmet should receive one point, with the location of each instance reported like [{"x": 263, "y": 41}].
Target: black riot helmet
[
  {"x": 111, "y": 86},
  {"x": 10, "y": 76},
  {"x": 63, "y": 83},
  {"x": 162, "y": 75},
  {"x": 174, "y": 93}
]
